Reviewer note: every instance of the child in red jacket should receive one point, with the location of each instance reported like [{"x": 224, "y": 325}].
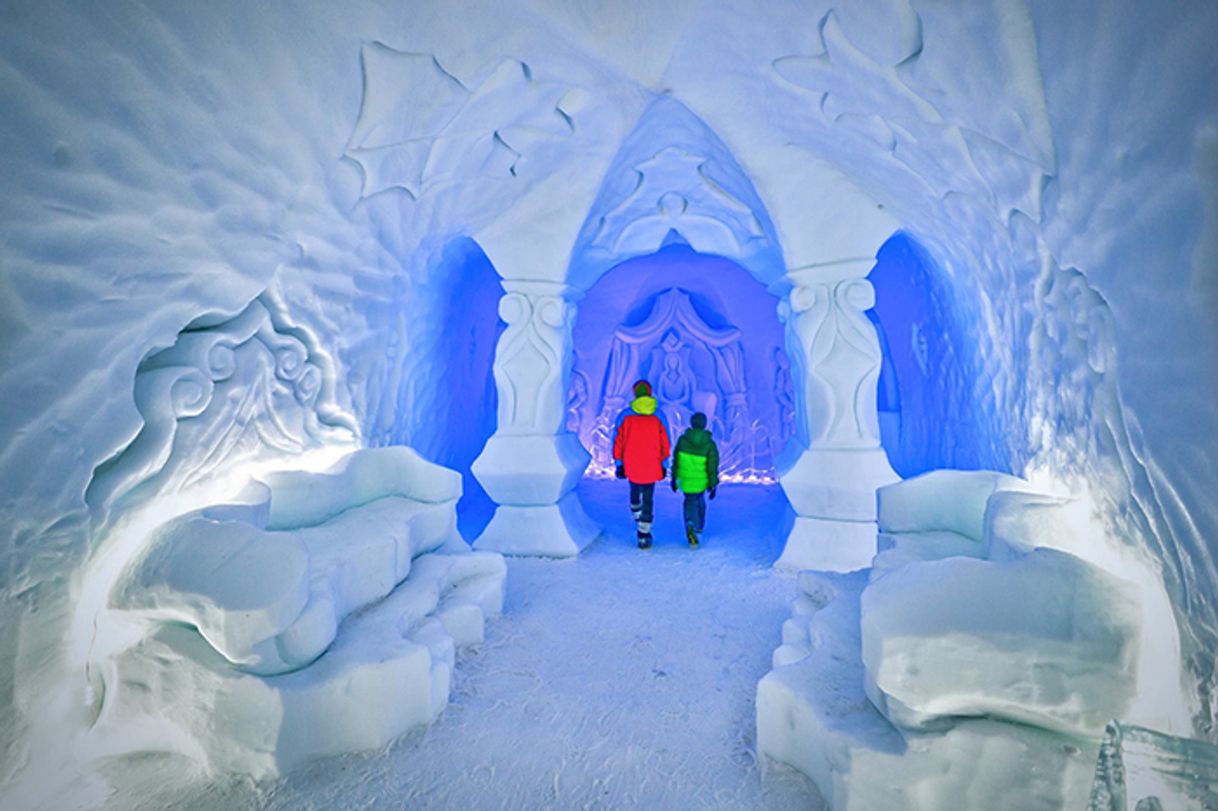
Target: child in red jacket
[{"x": 640, "y": 448}]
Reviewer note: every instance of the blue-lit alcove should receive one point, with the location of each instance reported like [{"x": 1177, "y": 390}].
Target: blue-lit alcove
[
  {"x": 455, "y": 408},
  {"x": 930, "y": 414},
  {"x": 706, "y": 334}
]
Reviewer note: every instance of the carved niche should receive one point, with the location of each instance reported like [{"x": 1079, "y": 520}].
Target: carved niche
[{"x": 692, "y": 366}]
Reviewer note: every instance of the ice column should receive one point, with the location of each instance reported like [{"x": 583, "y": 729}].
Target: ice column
[
  {"x": 531, "y": 464},
  {"x": 835, "y": 463}
]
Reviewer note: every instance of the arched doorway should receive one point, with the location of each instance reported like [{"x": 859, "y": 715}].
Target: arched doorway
[
  {"x": 706, "y": 334},
  {"x": 674, "y": 181}
]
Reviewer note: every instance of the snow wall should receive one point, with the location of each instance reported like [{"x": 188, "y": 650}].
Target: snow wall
[{"x": 169, "y": 167}]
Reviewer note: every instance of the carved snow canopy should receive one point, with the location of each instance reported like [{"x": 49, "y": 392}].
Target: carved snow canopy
[
  {"x": 707, "y": 337},
  {"x": 673, "y": 175},
  {"x": 229, "y": 390}
]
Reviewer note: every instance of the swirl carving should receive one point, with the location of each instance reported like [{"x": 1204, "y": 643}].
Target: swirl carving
[
  {"x": 832, "y": 340},
  {"x": 532, "y": 361}
]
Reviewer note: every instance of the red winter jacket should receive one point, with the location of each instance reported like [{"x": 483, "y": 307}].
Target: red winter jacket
[{"x": 641, "y": 444}]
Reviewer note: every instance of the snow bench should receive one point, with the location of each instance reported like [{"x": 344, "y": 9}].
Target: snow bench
[
  {"x": 971, "y": 666},
  {"x": 318, "y": 615}
]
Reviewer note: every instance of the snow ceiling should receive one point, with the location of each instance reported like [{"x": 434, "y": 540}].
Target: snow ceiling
[{"x": 296, "y": 175}]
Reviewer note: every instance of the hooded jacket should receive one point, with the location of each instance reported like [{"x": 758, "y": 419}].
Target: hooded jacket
[
  {"x": 641, "y": 443},
  {"x": 696, "y": 461}
]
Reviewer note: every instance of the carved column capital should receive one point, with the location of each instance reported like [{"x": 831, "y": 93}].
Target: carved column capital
[
  {"x": 533, "y": 358},
  {"x": 530, "y": 466},
  {"x": 835, "y": 357},
  {"x": 835, "y": 345}
]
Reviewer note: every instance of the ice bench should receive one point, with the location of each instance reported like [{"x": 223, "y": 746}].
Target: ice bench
[
  {"x": 968, "y": 642},
  {"x": 318, "y": 615}
]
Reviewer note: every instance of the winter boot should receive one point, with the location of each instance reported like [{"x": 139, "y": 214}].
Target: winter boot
[
  {"x": 691, "y": 535},
  {"x": 644, "y": 535}
]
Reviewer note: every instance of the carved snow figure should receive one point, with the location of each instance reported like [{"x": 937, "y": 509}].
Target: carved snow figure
[
  {"x": 676, "y": 384},
  {"x": 576, "y": 399},
  {"x": 784, "y": 394}
]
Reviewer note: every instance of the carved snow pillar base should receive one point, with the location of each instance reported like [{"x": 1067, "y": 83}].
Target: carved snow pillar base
[
  {"x": 530, "y": 466},
  {"x": 532, "y": 479},
  {"x": 836, "y": 463}
]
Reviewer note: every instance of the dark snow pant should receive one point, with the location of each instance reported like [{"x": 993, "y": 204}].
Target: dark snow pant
[
  {"x": 695, "y": 511},
  {"x": 642, "y": 497}
]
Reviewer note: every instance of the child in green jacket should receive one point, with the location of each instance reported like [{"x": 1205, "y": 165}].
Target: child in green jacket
[{"x": 695, "y": 469}]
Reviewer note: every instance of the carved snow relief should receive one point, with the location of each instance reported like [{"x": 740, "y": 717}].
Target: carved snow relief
[
  {"x": 674, "y": 192},
  {"x": 837, "y": 347},
  {"x": 692, "y": 366},
  {"x": 226, "y": 391},
  {"x": 420, "y": 127},
  {"x": 532, "y": 357}
]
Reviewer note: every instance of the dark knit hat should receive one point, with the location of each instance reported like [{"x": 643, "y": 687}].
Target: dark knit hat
[
  {"x": 642, "y": 388},
  {"x": 698, "y": 420}
]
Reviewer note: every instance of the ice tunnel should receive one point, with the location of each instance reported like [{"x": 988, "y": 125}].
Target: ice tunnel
[{"x": 315, "y": 320}]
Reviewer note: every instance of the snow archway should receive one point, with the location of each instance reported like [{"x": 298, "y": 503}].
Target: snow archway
[{"x": 673, "y": 175}]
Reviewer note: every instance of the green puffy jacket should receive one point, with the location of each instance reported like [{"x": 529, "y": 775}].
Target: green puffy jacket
[{"x": 695, "y": 461}]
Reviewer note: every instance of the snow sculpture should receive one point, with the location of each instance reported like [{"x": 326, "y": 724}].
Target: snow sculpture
[
  {"x": 672, "y": 174},
  {"x": 676, "y": 193},
  {"x": 317, "y": 615},
  {"x": 693, "y": 366},
  {"x": 704, "y": 331},
  {"x": 228, "y": 389},
  {"x": 831, "y": 483},
  {"x": 1046, "y": 639},
  {"x": 813, "y": 714},
  {"x": 440, "y": 131},
  {"x": 976, "y": 623},
  {"x": 531, "y": 464}
]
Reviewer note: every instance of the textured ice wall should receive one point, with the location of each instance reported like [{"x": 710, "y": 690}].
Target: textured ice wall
[
  {"x": 164, "y": 163},
  {"x": 444, "y": 400},
  {"x": 169, "y": 165},
  {"x": 1069, "y": 217},
  {"x": 937, "y": 418}
]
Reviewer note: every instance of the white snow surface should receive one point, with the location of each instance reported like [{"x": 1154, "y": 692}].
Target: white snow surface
[
  {"x": 255, "y": 634},
  {"x": 170, "y": 166},
  {"x": 1046, "y": 640},
  {"x": 618, "y": 679},
  {"x": 812, "y": 712},
  {"x": 944, "y": 678}
]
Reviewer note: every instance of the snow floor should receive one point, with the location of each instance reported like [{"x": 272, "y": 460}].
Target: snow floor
[{"x": 618, "y": 679}]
